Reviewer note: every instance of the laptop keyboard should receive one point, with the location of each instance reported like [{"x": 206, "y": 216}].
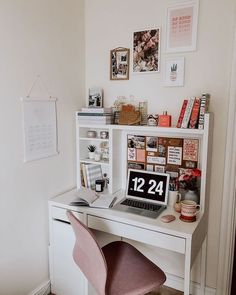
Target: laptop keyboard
[{"x": 140, "y": 205}]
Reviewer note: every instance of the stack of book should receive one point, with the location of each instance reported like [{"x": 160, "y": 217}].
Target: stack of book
[
  {"x": 193, "y": 111},
  {"x": 89, "y": 174},
  {"x": 95, "y": 116}
]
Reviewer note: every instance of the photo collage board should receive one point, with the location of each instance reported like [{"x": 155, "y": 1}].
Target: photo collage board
[{"x": 162, "y": 154}]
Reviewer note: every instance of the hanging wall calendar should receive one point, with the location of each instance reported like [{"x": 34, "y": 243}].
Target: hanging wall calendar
[{"x": 39, "y": 127}]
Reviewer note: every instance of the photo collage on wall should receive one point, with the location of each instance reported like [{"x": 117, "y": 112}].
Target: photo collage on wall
[{"x": 162, "y": 154}]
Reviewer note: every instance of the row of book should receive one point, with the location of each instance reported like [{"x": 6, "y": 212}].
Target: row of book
[
  {"x": 95, "y": 116},
  {"x": 193, "y": 111},
  {"x": 89, "y": 173}
]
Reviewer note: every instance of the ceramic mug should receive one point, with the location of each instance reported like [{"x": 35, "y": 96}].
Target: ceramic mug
[
  {"x": 173, "y": 197},
  {"x": 189, "y": 210}
]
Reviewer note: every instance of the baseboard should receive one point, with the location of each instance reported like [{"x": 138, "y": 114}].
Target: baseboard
[
  {"x": 178, "y": 284},
  {"x": 43, "y": 289}
]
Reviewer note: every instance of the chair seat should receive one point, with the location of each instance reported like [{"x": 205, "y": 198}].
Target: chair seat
[{"x": 129, "y": 271}]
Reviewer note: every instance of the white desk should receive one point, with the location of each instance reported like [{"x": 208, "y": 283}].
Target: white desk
[{"x": 185, "y": 238}]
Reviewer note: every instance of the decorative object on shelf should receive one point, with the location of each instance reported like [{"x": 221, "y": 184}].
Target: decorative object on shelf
[
  {"x": 164, "y": 120},
  {"x": 188, "y": 181},
  {"x": 91, "y": 148},
  {"x": 99, "y": 185},
  {"x": 182, "y": 27},
  {"x": 174, "y": 72},
  {"x": 189, "y": 210},
  {"x": 95, "y": 99},
  {"x": 152, "y": 120},
  {"x": 119, "y": 63},
  {"x": 129, "y": 116},
  {"x": 177, "y": 207},
  {"x": 191, "y": 195},
  {"x": 97, "y": 156},
  {"x": 91, "y": 133},
  {"x": 146, "y": 51},
  {"x": 143, "y": 108},
  {"x": 173, "y": 197},
  {"x": 104, "y": 134}
]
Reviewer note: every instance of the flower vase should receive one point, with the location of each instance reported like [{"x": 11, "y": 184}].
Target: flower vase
[{"x": 191, "y": 195}]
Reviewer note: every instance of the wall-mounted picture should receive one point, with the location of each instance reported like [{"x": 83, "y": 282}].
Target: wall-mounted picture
[
  {"x": 95, "y": 99},
  {"x": 119, "y": 64},
  {"x": 182, "y": 27},
  {"x": 174, "y": 72},
  {"x": 146, "y": 51}
]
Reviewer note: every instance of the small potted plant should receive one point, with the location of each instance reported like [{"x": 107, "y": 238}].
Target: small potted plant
[{"x": 91, "y": 149}]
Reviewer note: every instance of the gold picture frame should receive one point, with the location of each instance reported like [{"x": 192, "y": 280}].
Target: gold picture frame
[{"x": 119, "y": 63}]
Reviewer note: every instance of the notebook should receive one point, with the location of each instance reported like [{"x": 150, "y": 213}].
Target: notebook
[{"x": 146, "y": 193}]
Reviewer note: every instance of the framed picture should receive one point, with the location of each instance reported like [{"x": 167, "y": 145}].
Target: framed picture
[
  {"x": 95, "y": 99},
  {"x": 119, "y": 64},
  {"x": 174, "y": 72},
  {"x": 182, "y": 22},
  {"x": 146, "y": 51}
]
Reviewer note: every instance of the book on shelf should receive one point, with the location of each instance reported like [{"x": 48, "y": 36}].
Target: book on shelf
[
  {"x": 88, "y": 197},
  {"x": 204, "y": 106},
  {"x": 96, "y": 110},
  {"x": 83, "y": 114},
  {"x": 181, "y": 115},
  {"x": 188, "y": 112},
  {"x": 95, "y": 121},
  {"x": 195, "y": 114}
]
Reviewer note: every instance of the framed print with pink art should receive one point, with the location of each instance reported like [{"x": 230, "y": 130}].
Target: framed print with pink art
[{"x": 182, "y": 23}]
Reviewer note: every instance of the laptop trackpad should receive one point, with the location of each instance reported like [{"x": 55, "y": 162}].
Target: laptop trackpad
[{"x": 147, "y": 213}]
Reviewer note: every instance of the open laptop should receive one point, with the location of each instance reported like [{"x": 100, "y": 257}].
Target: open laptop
[{"x": 146, "y": 193}]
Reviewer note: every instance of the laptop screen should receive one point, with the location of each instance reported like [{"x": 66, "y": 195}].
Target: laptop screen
[{"x": 148, "y": 186}]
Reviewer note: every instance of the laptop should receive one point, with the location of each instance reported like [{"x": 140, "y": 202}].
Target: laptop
[{"x": 146, "y": 193}]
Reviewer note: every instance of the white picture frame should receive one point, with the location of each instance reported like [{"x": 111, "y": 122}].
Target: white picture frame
[
  {"x": 174, "y": 69},
  {"x": 146, "y": 51},
  {"x": 182, "y": 22}
]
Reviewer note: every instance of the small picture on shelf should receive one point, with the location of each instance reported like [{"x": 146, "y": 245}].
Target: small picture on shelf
[{"x": 95, "y": 99}]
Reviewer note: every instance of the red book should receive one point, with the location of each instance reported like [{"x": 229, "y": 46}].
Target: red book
[
  {"x": 181, "y": 115},
  {"x": 194, "y": 115}
]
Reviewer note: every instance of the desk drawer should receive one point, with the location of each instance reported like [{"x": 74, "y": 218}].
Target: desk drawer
[
  {"x": 60, "y": 214},
  {"x": 139, "y": 234}
]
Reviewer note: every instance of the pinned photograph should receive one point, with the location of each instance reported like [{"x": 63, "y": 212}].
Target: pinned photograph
[
  {"x": 137, "y": 166},
  {"x": 146, "y": 51},
  {"x": 151, "y": 144},
  {"x": 131, "y": 154}
]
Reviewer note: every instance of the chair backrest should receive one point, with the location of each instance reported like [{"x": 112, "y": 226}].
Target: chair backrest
[{"x": 88, "y": 255}]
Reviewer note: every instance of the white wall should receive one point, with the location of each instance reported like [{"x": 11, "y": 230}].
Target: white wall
[
  {"x": 109, "y": 24},
  {"x": 43, "y": 37}
]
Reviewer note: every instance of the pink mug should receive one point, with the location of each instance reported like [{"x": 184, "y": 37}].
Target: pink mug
[{"x": 189, "y": 210}]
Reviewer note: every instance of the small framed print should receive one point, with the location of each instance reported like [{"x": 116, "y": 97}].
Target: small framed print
[
  {"x": 182, "y": 22},
  {"x": 174, "y": 72},
  {"x": 95, "y": 99},
  {"x": 119, "y": 63}
]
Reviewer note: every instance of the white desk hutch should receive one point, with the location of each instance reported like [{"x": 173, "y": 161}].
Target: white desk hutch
[{"x": 180, "y": 237}]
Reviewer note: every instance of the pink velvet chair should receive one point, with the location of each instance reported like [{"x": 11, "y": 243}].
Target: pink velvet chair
[{"x": 116, "y": 269}]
